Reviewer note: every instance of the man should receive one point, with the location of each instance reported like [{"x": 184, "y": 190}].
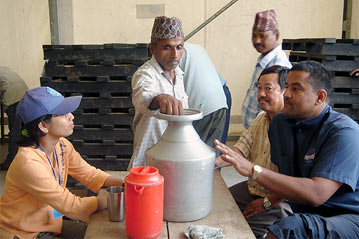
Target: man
[
  {"x": 256, "y": 203},
  {"x": 205, "y": 91},
  {"x": 158, "y": 86},
  {"x": 316, "y": 150},
  {"x": 265, "y": 39},
  {"x": 12, "y": 89}
]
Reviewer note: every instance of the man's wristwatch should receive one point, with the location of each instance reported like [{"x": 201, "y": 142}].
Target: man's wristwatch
[
  {"x": 256, "y": 171},
  {"x": 266, "y": 203}
]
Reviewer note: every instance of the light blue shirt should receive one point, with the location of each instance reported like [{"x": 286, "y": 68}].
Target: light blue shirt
[
  {"x": 250, "y": 106},
  {"x": 201, "y": 81}
]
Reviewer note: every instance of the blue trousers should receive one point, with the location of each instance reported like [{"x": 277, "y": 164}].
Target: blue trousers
[{"x": 305, "y": 225}]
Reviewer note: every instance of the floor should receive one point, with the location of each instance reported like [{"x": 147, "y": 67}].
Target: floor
[{"x": 229, "y": 174}]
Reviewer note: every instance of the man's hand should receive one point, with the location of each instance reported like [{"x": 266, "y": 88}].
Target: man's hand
[
  {"x": 241, "y": 164},
  {"x": 253, "y": 208},
  {"x": 220, "y": 163},
  {"x": 167, "y": 105},
  {"x": 354, "y": 73}
]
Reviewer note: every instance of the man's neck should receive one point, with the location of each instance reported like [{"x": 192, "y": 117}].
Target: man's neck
[
  {"x": 264, "y": 54},
  {"x": 171, "y": 74}
]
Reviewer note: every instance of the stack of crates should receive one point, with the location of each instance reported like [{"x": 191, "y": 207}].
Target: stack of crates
[
  {"x": 102, "y": 75},
  {"x": 340, "y": 56}
]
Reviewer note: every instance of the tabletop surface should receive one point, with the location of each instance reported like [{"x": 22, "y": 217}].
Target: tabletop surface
[{"x": 224, "y": 214}]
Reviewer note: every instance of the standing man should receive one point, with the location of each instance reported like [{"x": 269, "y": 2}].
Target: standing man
[
  {"x": 255, "y": 201},
  {"x": 12, "y": 89},
  {"x": 158, "y": 86},
  {"x": 316, "y": 150},
  {"x": 205, "y": 92},
  {"x": 265, "y": 39}
]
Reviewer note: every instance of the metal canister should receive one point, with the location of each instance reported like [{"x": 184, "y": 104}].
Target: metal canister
[{"x": 187, "y": 165}]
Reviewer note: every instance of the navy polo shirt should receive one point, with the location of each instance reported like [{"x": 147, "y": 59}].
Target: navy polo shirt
[{"x": 325, "y": 146}]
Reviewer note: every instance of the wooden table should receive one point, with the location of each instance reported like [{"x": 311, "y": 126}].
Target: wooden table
[{"x": 224, "y": 214}]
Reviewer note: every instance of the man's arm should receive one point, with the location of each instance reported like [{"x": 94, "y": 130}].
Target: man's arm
[{"x": 313, "y": 191}]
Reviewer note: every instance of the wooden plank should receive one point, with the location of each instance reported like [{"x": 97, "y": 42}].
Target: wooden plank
[
  {"x": 101, "y": 227},
  {"x": 225, "y": 214}
]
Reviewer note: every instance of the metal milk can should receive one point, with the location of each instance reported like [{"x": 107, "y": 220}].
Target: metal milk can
[{"x": 187, "y": 165}]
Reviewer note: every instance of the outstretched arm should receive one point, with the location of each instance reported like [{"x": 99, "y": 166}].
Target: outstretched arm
[{"x": 313, "y": 191}]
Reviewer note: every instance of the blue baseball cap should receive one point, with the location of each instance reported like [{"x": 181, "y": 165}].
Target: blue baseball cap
[{"x": 42, "y": 101}]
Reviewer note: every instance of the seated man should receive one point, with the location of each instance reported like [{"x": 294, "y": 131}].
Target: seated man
[
  {"x": 316, "y": 150},
  {"x": 158, "y": 85},
  {"x": 256, "y": 203}
]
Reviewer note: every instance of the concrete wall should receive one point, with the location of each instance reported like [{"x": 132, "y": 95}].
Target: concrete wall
[
  {"x": 227, "y": 39},
  {"x": 354, "y": 31},
  {"x": 24, "y": 29}
]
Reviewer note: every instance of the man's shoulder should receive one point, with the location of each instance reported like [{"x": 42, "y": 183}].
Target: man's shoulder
[
  {"x": 261, "y": 118},
  {"x": 339, "y": 120}
]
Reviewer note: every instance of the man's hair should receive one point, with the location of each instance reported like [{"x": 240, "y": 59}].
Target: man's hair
[
  {"x": 319, "y": 77},
  {"x": 31, "y": 133},
  {"x": 282, "y": 72}
]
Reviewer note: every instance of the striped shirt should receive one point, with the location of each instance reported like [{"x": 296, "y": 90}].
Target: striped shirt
[{"x": 254, "y": 145}]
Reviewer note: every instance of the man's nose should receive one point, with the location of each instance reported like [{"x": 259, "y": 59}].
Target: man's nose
[
  {"x": 286, "y": 93},
  {"x": 256, "y": 40},
  {"x": 174, "y": 53},
  {"x": 261, "y": 93}
]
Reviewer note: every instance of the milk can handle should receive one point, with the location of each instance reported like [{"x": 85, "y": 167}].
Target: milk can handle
[{"x": 139, "y": 189}]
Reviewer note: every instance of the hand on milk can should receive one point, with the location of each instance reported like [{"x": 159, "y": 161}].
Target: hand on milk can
[
  {"x": 167, "y": 105},
  {"x": 241, "y": 164}
]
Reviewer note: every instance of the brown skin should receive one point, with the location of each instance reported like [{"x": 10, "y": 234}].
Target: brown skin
[
  {"x": 168, "y": 54},
  {"x": 300, "y": 100},
  {"x": 354, "y": 73},
  {"x": 269, "y": 94},
  {"x": 270, "y": 98},
  {"x": 265, "y": 42},
  {"x": 299, "y": 97}
]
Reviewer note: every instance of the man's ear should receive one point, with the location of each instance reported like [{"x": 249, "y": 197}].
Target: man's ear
[
  {"x": 277, "y": 35},
  {"x": 152, "y": 48},
  {"x": 322, "y": 96},
  {"x": 43, "y": 127}
]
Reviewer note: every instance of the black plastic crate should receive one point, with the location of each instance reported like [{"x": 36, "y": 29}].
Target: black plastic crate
[
  {"x": 323, "y": 46},
  {"x": 106, "y": 51}
]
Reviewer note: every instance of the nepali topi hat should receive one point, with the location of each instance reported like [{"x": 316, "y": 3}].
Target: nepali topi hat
[
  {"x": 265, "y": 21},
  {"x": 166, "y": 28}
]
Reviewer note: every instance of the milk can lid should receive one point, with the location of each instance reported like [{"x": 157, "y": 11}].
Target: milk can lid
[{"x": 144, "y": 175}]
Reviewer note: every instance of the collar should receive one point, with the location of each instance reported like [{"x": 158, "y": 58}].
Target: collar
[
  {"x": 264, "y": 60},
  {"x": 309, "y": 123},
  {"x": 159, "y": 69}
]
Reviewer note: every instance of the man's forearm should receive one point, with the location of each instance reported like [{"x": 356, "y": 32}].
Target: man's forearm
[{"x": 312, "y": 191}]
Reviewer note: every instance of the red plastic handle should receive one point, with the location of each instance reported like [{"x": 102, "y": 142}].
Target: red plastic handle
[{"x": 139, "y": 189}]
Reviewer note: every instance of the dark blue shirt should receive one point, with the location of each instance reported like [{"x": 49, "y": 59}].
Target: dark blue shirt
[{"x": 325, "y": 146}]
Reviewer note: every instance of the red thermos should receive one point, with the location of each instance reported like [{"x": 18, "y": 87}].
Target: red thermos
[{"x": 144, "y": 202}]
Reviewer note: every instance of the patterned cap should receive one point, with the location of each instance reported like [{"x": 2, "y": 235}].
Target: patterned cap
[
  {"x": 166, "y": 28},
  {"x": 265, "y": 21}
]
